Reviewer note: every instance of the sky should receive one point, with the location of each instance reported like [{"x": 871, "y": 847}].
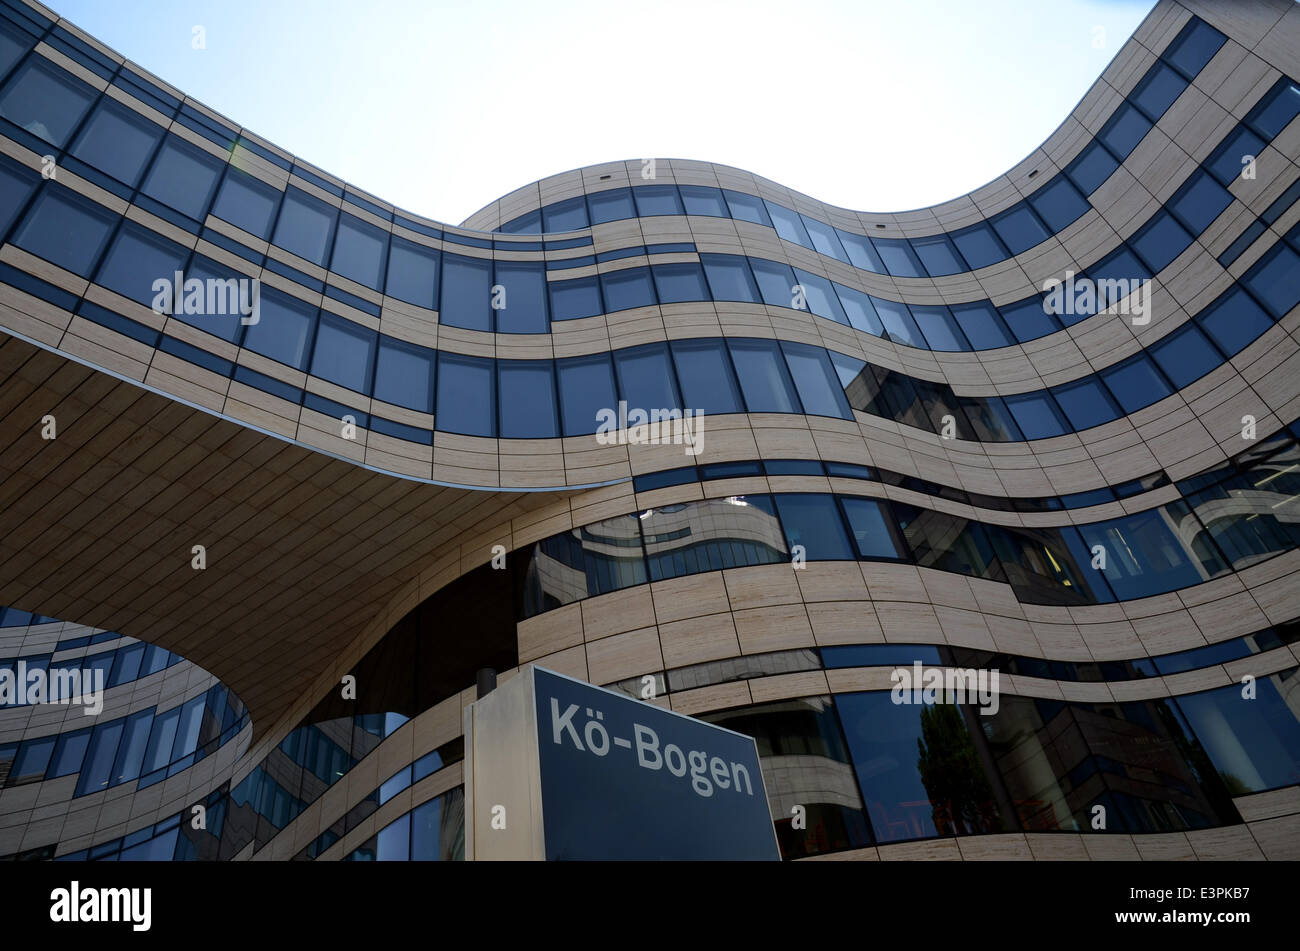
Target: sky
[{"x": 443, "y": 106}]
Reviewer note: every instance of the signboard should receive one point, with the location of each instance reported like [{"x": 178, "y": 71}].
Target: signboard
[{"x": 559, "y": 769}]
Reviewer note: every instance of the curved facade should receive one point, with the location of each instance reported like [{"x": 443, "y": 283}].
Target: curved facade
[{"x": 672, "y": 428}]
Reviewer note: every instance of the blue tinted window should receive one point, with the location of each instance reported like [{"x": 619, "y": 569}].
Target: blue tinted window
[
  {"x": 247, "y": 202},
  {"x": 466, "y": 293},
  {"x": 982, "y": 325},
  {"x": 527, "y": 399},
  {"x": 819, "y": 297},
  {"x": 137, "y": 259},
  {"x": 117, "y": 141},
  {"x": 45, "y": 100},
  {"x": 1193, "y": 47},
  {"x": 530, "y": 223},
  {"x": 393, "y": 844},
  {"x": 899, "y": 258},
  {"x": 1276, "y": 110},
  {"x": 1234, "y": 321},
  {"x": 729, "y": 277},
  {"x": 32, "y": 760},
  {"x": 1157, "y": 91},
  {"x": 1116, "y": 277},
  {"x": 941, "y": 331},
  {"x": 344, "y": 353},
  {"x": 1059, "y": 204},
  {"x": 586, "y": 386},
  {"x": 306, "y": 225},
  {"x": 870, "y": 527},
  {"x": 525, "y": 297},
  {"x": 824, "y": 238},
  {"x": 1085, "y": 403},
  {"x": 1027, "y": 319},
  {"x": 1135, "y": 383},
  {"x": 13, "y": 43},
  {"x": 183, "y": 177},
  {"x": 645, "y": 377},
  {"x": 613, "y": 205},
  {"x": 1160, "y": 241},
  {"x": 574, "y": 299},
  {"x": 16, "y": 186},
  {"x": 979, "y": 246},
  {"x": 413, "y": 274},
  {"x": 1262, "y": 735},
  {"x": 567, "y": 215},
  {"x": 1275, "y": 280},
  {"x": 1019, "y": 228},
  {"x": 898, "y": 322},
  {"x": 775, "y": 282},
  {"x": 860, "y": 311},
  {"x": 814, "y": 522},
  {"x": 703, "y": 200},
  {"x": 938, "y": 255},
  {"x": 990, "y": 418},
  {"x": 788, "y": 224},
  {"x": 1124, "y": 130},
  {"x": 404, "y": 375},
  {"x": 1234, "y": 154},
  {"x": 657, "y": 200},
  {"x": 1200, "y": 201},
  {"x": 747, "y": 207},
  {"x": 677, "y": 283},
  {"x": 359, "y": 251},
  {"x": 1143, "y": 556},
  {"x": 764, "y": 379},
  {"x": 1092, "y": 167},
  {"x": 98, "y": 765},
  {"x": 466, "y": 402},
  {"x": 1036, "y": 415},
  {"x": 221, "y": 315},
  {"x": 704, "y": 370},
  {"x": 1185, "y": 355},
  {"x": 283, "y": 328},
  {"x": 69, "y": 751},
  {"x": 65, "y": 229},
  {"x": 862, "y": 253},
  {"x": 131, "y": 750},
  {"x": 626, "y": 289},
  {"x": 814, "y": 378}
]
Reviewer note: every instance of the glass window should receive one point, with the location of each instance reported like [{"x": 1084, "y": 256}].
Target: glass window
[
  {"x": 1234, "y": 321},
  {"x": 899, "y": 258},
  {"x": 183, "y": 177},
  {"x": 1157, "y": 91},
  {"x": 130, "y": 753},
  {"x": 413, "y": 274},
  {"x": 1124, "y": 130},
  {"x": 815, "y": 379},
  {"x": 221, "y": 312},
  {"x": 764, "y": 379},
  {"x": 788, "y": 224},
  {"x": 627, "y": 289},
  {"x": 65, "y": 229},
  {"x": 98, "y": 765},
  {"x": 711, "y": 535},
  {"x": 16, "y": 186},
  {"x": 979, "y": 245},
  {"x": 404, "y": 375},
  {"x": 1085, "y": 403},
  {"x": 359, "y": 252},
  {"x": 862, "y": 253},
  {"x": 1092, "y": 167},
  {"x": 573, "y": 299},
  {"x": 161, "y": 740},
  {"x": 1234, "y": 154},
  {"x": 1143, "y": 555},
  {"x": 1115, "y": 277},
  {"x": 948, "y": 542},
  {"x": 32, "y": 760},
  {"x": 1275, "y": 280},
  {"x": 613, "y": 205},
  {"x": 729, "y": 277},
  {"x": 586, "y": 387},
  {"x": 530, "y": 223},
  {"x": 747, "y": 207},
  {"x": 1036, "y": 415},
  {"x": 657, "y": 200},
  {"x": 645, "y": 377},
  {"x": 1059, "y": 203},
  {"x": 393, "y": 844},
  {"x": 1275, "y": 111},
  {"x": 45, "y": 100},
  {"x": 982, "y": 325},
  {"x": 1200, "y": 201},
  {"x": 869, "y": 523},
  {"x": 1193, "y": 47},
  {"x": 940, "y": 329},
  {"x": 117, "y": 141},
  {"x": 708, "y": 385},
  {"x": 703, "y": 200},
  {"x": 775, "y": 282},
  {"x": 814, "y": 522},
  {"x": 306, "y": 226},
  {"x": 527, "y": 399},
  {"x": 525, "y": 297},
  {"x": 1028, "y": 319},
  {"x": 344, "y": 353},
  {"x": 1136, "y": 383},
  {"x": 1254, "y": 746},
  {"x": 69, "y": 751},
  {"x": 247, "y": 202},
  {"x": 466, "y": 293},
  {"x": 437, "y": 829},
  {"x": 466, "y": 395},
  {"x": 859, "y": 310},
  {"x": 139, "y": 257},
  {"x": 679, "y": 283},
  {"x": 1185, "y": 355},
  {"x": 938, "y": 255},
  {"x": 13, "y": 44},
  {"x": 824, "y": 238},
  {"x": 1160, "y": 241},
  {"x": 126, "y": 665},
  {"x": 1019, "y": 228},
  {"x": 567, "y": 215},
  {"x": 595, "y": 559},
  {"x": 283, "y": 329},
  {"x": 819, "y": 297},
  {"x": 898, "y": 322},
  {"x": 990, "y": 418},
  {"x": 187, "y": 728}
]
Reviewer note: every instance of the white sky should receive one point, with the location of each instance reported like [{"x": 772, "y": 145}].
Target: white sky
[{"x": 441, "y": 107}]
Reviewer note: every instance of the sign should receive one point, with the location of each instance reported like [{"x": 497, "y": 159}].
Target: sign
[{"x": 559, "y": 769}]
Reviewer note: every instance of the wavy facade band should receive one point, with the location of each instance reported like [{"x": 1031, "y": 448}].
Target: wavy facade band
[{"x": 671, "y": 428}]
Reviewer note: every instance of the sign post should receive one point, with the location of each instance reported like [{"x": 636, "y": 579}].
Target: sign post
[{"x": 559, "y": 769}]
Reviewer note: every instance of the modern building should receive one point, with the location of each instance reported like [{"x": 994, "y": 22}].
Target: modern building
[{"x": 290, "y": 466}]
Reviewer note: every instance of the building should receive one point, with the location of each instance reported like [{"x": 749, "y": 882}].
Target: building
[{"x": 319, "y": 461}]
